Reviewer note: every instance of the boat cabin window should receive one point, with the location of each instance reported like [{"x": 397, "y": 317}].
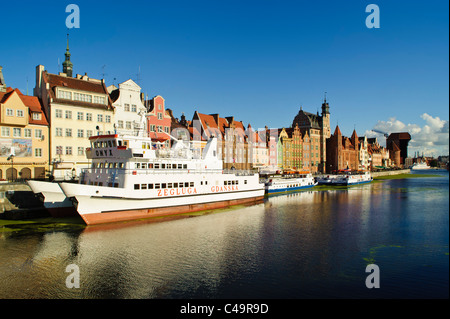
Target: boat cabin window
[
  {"x": 119, "y": 142},
  {"x": 156, "y": 166}
]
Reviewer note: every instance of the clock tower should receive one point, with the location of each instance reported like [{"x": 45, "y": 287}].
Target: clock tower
[{"x": 67, "y": 65}]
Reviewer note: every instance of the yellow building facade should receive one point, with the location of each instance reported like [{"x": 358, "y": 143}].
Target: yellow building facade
[{"x": 24, "y": 152}]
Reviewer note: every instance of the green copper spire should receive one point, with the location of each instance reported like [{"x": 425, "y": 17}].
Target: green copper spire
[{"x": 67, "y": 65}]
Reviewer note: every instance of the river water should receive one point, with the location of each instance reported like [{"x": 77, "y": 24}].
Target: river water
[{"x": 310, "y": 244}]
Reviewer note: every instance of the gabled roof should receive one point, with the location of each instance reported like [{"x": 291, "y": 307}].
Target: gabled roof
[
  {"x": 337, "y": 131},
  {"x": 32, "y": 102}
]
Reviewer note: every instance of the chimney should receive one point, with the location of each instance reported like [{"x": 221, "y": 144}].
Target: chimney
[
  {"x": 2, "y": 81},
  {"x": 37, "y": 89}
]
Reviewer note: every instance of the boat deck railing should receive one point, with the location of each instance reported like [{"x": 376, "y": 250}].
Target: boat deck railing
[{"x": 117, "y": 172}]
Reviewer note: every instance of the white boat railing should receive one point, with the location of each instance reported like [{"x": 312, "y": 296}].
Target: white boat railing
[{"x": 118, "y": 171}]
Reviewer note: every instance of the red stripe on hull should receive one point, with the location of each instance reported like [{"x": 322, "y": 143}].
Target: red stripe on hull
[{"x": 127, "y": 215}]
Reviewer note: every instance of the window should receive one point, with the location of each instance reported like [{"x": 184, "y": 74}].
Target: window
[
  {"x": 80, "y": 150},
  {"x": 89, "y": 133},
  {"x": 27, "y": 132},
  {"x": 160, "y": 116},
  {"x": 88, "y": 116},
  {"x": 82, "y": 97},
  {"x": 99, "y": 117},
  {"x": 128, "y": 125},
  {"x": 68, "y": 150},
  {"x": 58, "y": 131},
  {"x": 58, "y": 114},
  {"x": 99, "y": 100},
  {"x": 68, "y": 114},
  {"x": 159, "y": 106},
  {"x": 126, "y": 107},
  {"x": 9, "y": 112},
  {"x": 80, "y": 116},
  {"x": 80, "y": 133},
  {"x": 17, "y": 132},
  {"x": 152, "y": 128},
  {"x": 133, "y": 108},
  {"x": 38, "y": 152},
  {"x": 166, "y": 129},
  {"x": 59, "y": 150},
  {"x": 19, "y": 113},
  {"x": 120, "y": 124},
  {"x": 38, "y": 133},
  {"x": 36, "y": 116},
  {"x": 64, "y": 95},
  {"x": 108, "y": 118},
  {"x": 68, "y": 132}
]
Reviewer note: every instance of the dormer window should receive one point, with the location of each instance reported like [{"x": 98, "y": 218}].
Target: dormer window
[{"x": 36, "y": 116}]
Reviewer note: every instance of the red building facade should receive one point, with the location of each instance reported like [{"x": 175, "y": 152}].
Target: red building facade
[{"x": 158, "y": 120}]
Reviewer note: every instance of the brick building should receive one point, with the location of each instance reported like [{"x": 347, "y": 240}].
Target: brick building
[
  {"x": 317, "y": 127},
  {"x": 397, "y": 144},
  {"x": 342, "y": 152}
]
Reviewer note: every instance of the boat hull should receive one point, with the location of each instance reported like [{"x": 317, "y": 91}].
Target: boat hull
[
  {"x": 350, "y": 184},
  {"x": 53, "y": 198},
  {"x": 287, "y": 189},
  {"x": 97, "y": 205},
  {"x": 135, "y": 214}
]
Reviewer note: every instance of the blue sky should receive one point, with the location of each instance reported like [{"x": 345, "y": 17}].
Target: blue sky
[{"x": 258, "y": 61}]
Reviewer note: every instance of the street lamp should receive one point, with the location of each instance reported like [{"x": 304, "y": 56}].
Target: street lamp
[{"x": 11, "y": 158}]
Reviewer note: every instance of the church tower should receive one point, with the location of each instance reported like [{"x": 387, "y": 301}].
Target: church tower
[
  {"x": 325, "y": 133},
  {"x": 326, "y": 118},
  {"x": 67, "y": 65}
]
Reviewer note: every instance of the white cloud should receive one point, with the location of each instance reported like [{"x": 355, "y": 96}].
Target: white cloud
[{"x": 432, "y": 138}]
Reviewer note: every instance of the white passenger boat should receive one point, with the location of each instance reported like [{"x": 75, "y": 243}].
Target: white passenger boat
[
  {"x": 420, "y": 166},
  {"x": 352, "y": 179},
  {"x": 290, "y": 183},
  {"x": 129, "y": 179},
  {"x": 326, "y": 179}
]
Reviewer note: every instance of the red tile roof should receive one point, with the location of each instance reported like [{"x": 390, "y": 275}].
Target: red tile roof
[
  {"x": 32, "y": 102},
  {"x": 91, "y": 86}
]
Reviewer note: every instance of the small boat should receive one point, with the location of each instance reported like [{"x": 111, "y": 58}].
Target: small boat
[{"x": 289, "y": 183}]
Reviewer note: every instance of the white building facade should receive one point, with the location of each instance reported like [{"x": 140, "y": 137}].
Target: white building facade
[{"x": 130, "y": 112}]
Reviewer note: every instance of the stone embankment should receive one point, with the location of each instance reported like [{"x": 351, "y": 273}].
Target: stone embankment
[
  {"x": 394, "y": 172},
  {"x": 17, "y": 201}
]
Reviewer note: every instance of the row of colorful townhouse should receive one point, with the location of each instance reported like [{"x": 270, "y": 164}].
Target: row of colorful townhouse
[{"x": 46, "y": 135}]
